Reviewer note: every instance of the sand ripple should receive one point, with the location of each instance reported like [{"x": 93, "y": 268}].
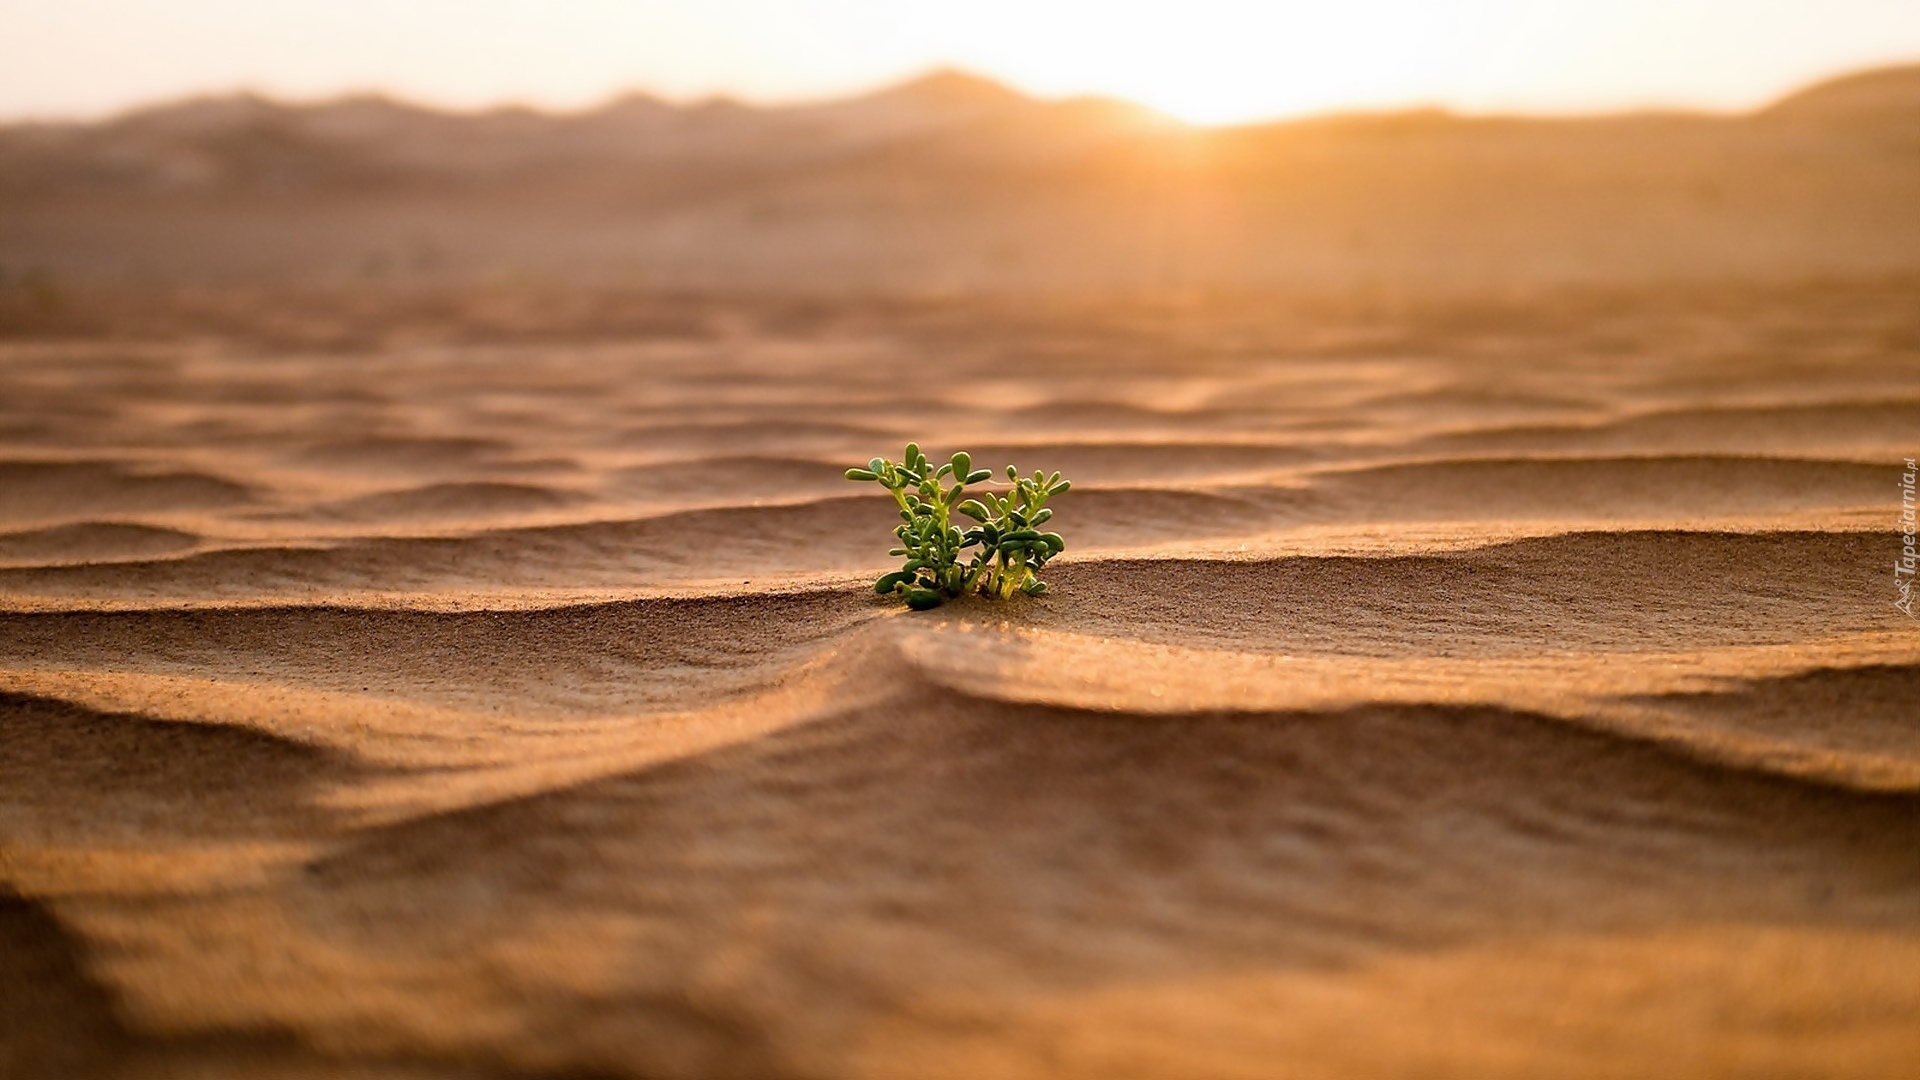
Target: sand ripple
[{"x": 522, "y": 708}]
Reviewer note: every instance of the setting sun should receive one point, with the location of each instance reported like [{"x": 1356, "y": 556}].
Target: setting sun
[
  {"x": 1210, "y": 63},
  {"x": 1219, "y": 61}
]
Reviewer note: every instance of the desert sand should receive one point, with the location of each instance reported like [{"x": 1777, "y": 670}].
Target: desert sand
[{"x": 483, "y": 678}]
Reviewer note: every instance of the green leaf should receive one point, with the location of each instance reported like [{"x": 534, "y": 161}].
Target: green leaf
[{"x": 998, "y": 556}]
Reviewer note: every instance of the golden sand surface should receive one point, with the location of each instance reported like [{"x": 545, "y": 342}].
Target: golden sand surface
[{"x": 488, "y": 683}]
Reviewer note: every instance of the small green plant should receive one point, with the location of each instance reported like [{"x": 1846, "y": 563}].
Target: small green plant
[{"x": 1000, "y": 555}]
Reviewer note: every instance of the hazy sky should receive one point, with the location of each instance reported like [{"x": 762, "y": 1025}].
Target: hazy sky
[{"x": 1213, "y": 60}]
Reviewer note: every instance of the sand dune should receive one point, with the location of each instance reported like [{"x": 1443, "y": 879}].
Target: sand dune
[
  {"x": 448, "y": 684},
  {"x": 952, "y": 183}
]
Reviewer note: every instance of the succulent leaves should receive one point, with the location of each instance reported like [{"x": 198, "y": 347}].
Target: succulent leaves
[{"x": 1002, "y": 553}]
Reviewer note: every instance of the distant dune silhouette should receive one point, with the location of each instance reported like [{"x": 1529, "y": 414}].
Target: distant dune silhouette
[{"x": 953, "y": 181}]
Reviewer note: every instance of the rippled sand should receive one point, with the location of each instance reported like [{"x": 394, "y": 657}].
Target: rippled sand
[{"x": 489, "y": 684}]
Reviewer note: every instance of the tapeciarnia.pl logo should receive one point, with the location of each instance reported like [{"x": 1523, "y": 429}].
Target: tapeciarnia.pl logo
[{"x": 1903, "y": 567}]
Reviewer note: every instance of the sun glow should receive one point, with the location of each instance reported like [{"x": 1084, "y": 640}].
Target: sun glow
[
  {"x": 1225, "y": 61},
  {"x": 1217, "y": 63},
  {"x": 1211, "y": 61}
]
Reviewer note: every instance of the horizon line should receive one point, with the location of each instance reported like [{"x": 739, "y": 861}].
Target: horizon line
[{"x": 922, "y": 76}]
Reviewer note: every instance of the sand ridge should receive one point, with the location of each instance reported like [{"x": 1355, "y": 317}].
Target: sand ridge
[{"x": 1427, "y": 690}]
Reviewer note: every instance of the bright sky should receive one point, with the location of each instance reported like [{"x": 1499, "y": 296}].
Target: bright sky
[{"x": 1204, "y": 60}]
